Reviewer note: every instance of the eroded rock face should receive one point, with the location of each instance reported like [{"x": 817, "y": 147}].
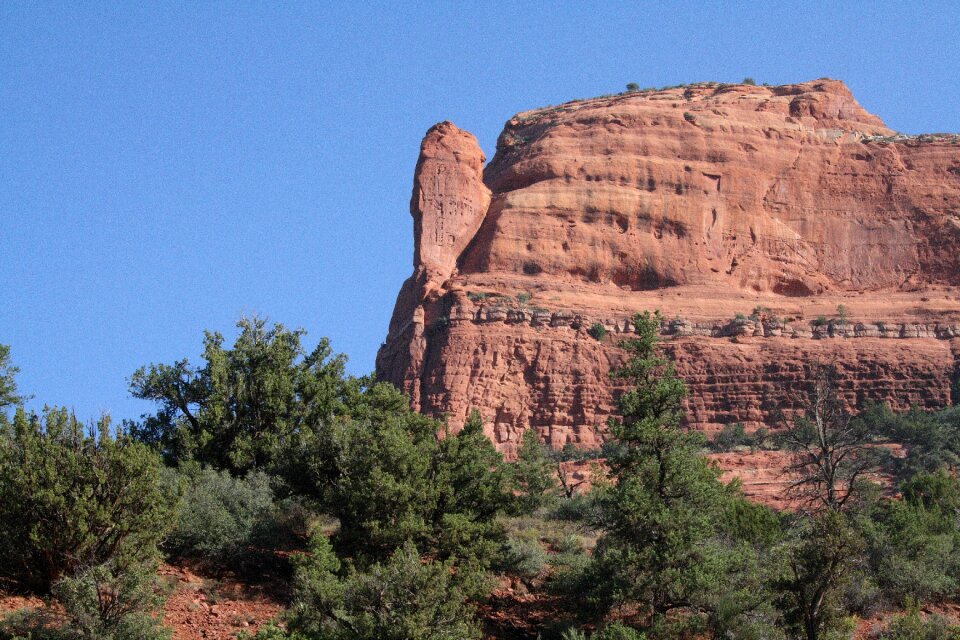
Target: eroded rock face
[{"x": 792, "y": 204}]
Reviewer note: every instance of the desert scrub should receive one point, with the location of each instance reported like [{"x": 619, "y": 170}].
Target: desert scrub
[
  {"x": 74, "y": 496},
  {"x": 522, "y": 556},
  {"x": 597, "y": 331},
  {"x": 232, "y": 521}
]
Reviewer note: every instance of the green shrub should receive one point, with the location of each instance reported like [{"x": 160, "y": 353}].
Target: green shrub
[
  {"x": 633, "y": 86},
  {"x": 388, "y": 478},
  {"x": 524, "y": 298},
  {"x": 914, "y": 627},
  {"x": 223, "y": 516},
  {"x": 571, "y": 576},
  {"x": 597, "y": 331},
  {"x": 615, "y": 631},
  {"x": 843, "y": 314},
  {"x": 100, "y": 603},
  {"x": 569, "y": 543},
  {"x": 522, "y": 556},
  {"x": 70, "y": 498},
  {"x": 533, "y": 474},
  {"x": 532, "y": 268},
  {"x": 914, "y": 551},
  {"x": 618, "y": 631},
  {"x": 399, "y": 599},
  {"x": 581, "y": 507},
  {"x": 750, "y": 81},
  {"x": 35, "y": 624},
  {"x": 932, "y": 439},
  {"x": 108, "y": 603},
  {"x": 732, "y": 435}
]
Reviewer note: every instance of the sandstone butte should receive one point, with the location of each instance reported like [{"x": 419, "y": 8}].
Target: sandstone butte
[{"x": 774, "y": 227}]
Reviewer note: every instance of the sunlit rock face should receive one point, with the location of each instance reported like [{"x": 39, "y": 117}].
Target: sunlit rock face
[{"x": 775, "y": 227}]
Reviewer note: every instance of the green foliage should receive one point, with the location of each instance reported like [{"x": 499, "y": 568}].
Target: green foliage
[
  {"x": 821, "y": 557},
  {"x": 402, "y": 598},
  {"x": 750, "y": 81},
  {"x": 932, "y": 439},
  {"x": 244, "y": 406},
  {"x": 388, "y": 477},
  {"x": 579, "y": 507},
  {"x": 222, "y": 517},
  {"x": 522, "y": 556},
  {"x": 735, "y": 435},
  {"x": 633, "y": 86},
  {"x": 533, "y": 474},
  {"x": 820, "y": 321},
  {"x": 843, "y": 314},
  {"x": 913, "y": 626},
  {"x": 597, "y": 331},
  {"x": 107, "y": 603},
  {"x": 749, "y": 522},
  {"x": 524, "y": 298},
  {"x": 103, "y": 602},
  {"x": 615, "y": 631},
  {"x": 661, "y": 515},
  {"x": 8, "y": 380},
  {"x": 914, "y": 543},
  {"x": 70, "y": 498}
]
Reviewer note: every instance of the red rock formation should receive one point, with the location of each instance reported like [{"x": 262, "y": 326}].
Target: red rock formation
[{"x": 706, "y": 202}]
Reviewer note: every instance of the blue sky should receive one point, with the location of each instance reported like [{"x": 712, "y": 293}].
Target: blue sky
[{"x": 169, "y": 167}]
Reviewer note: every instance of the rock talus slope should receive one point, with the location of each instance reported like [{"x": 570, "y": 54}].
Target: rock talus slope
[{"x": 775, "y": 227}]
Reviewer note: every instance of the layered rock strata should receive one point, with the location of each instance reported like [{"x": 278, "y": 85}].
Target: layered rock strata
[{"x": 775, "y": 228}]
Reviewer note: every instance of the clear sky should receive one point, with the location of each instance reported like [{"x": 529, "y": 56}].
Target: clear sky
[{"x": 166, "y": 168}]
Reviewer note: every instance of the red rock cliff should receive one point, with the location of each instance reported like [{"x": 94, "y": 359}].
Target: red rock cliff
[{"x": 775, "y": 227}]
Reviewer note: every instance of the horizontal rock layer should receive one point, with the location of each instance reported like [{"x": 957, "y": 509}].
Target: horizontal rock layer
[{"x": 775, "y": 227}]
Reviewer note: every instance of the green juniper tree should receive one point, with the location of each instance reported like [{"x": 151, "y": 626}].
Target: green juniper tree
[
  {"x": 534, "y": 474},
  {"x": 663, "y": 511},
  {"x": 8, "y": 380},
  {"x": 73, "y": 496},
  {"x": 241, "y": 410}
]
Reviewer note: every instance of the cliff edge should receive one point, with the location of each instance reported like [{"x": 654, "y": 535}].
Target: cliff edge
[{"x": 775, "y": 227}]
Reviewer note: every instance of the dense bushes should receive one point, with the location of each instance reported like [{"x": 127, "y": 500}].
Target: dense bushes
[
  {"x": 534, "y": 475},
  {"x": 265, "y": 437},
  {"x": 398, "y": 599},
  {"x": 232, "y": 521},
  {"x": 914, "y": 543},
  {"x": 70, "y": 498},
  {"x": 735, "y": 435},
  {"x": 913, "y": 627},
  {"x": 242, "y": 408},
  {"x": 932, "y": 439},
  {"x": 100, "y": 603}
]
